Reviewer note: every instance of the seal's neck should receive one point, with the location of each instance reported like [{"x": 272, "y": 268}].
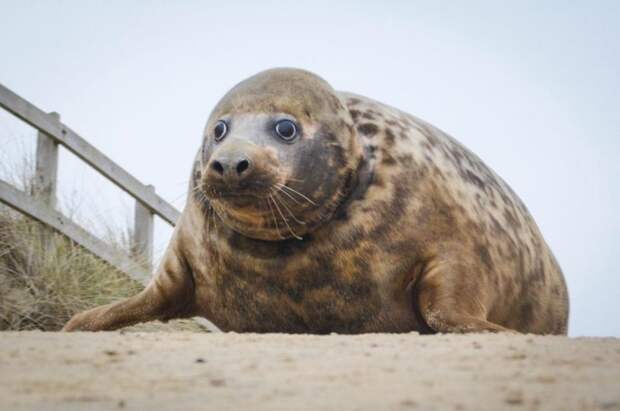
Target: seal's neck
[{"x": 357, "y": 181}]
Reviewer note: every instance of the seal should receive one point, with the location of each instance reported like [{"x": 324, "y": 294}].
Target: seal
[{"x": 317, "y": 211}]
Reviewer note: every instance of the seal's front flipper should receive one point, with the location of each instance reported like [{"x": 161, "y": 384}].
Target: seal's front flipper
[
  {"x": 170, "y": 295},
  {"x": 151, "y": 304},
  {"x": 452, "y": 302}
]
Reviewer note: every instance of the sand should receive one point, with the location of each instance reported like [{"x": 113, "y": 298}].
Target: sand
[{"x": 196, "y": 371}]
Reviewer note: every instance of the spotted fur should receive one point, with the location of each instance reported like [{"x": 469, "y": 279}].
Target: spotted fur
[{"x": 419, "y": 235}]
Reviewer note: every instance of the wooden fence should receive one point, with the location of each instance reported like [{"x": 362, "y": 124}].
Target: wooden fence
[{"x": 42, "y": 207}]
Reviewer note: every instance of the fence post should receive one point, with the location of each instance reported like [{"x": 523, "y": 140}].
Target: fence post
[
  {"x": 45, "y": 178},
  {"x": 46, "y": 167},
  {"x": 143, "y": 233}
]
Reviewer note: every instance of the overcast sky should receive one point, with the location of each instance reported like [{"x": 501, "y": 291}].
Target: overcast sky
[{"x": 531, "y": 87}]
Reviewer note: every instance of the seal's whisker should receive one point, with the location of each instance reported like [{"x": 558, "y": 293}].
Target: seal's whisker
[
  {"x": 199, "y": 187},
  {"x": 209, "y": 212},
  {"x": 296, "y": 192},
  {"x": 275, "y": 202},
  {"x": 287, "y": 194},
  {"x": 275, "y": 220},
  {"x": 180, "y": 196},
  {"x": 186, "y": 193},
  {"x": 298, "y": 221},
  {"x": 213, "y": 214},
  {"x": 200, "y": 197},
  {"x": 203, "y": 201}
]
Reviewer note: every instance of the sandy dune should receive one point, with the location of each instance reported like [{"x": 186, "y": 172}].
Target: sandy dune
[{"x": 190, "y": 371}]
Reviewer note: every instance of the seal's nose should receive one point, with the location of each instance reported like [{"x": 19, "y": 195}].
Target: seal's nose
[
  {"x": 242, "y": 166},
  {"x": 231, "y": 168}
]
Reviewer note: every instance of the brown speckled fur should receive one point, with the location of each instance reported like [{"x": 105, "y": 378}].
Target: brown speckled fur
[{"x": 411, "y": 231}]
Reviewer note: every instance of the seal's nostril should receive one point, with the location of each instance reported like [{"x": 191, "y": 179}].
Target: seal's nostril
[
  {"x": 217, "y": 166},
  {"x": 242, "y": 166}
]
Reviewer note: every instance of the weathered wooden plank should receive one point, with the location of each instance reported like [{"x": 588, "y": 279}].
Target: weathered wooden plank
[
  {"x": 37, "y": 210},
  {"x": 62, "y": 134},
  {"x": 46, "y": 167},
  {"x": 45, "y": 176},
  {"x": 142, "y": 246}
]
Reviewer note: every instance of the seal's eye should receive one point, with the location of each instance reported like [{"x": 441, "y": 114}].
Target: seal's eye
[
  {"x": 286, "y": 129},
  {"x": 220, "y": 130}
]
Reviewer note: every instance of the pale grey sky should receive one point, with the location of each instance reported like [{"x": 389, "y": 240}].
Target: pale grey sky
[{"x": 532, "y": 87}]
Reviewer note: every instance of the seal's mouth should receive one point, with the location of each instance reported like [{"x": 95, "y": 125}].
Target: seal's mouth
[{"x": 244, "y": 192}]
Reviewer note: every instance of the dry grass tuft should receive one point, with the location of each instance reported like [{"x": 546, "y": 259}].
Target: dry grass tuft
[
  {"x": 42, "y": 286},
  {"x": 45, "y": 278}
]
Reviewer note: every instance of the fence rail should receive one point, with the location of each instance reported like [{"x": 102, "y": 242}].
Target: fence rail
[
  {"x": 52, "y": 133},
  {"x": 40, "y": 211},
  {"x": 61, "y": 134}
]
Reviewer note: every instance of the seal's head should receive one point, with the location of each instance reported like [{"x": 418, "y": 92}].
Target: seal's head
[{"x": 279, "y": 155}]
